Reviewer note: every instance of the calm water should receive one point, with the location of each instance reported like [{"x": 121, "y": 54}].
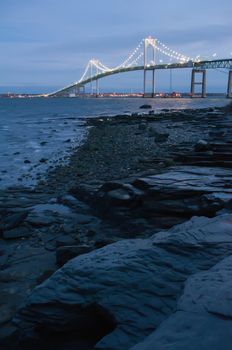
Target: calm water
[{"x": 35, "y": 129}]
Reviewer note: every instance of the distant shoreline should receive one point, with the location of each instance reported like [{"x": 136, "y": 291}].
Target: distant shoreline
[{"x": 110, "y": 95}]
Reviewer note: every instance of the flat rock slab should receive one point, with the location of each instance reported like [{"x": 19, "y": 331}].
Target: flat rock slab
[
  {"x": 182, "y": 191},
  {"x": 133, "y": 284},
  {"x": 187, "y": 178}
]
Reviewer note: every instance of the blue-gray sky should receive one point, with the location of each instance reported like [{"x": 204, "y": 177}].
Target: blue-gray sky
[{"x": 46, "y": 44}]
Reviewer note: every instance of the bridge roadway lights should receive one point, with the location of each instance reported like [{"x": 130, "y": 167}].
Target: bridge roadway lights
[
  {"x": 229, "y": 88},
  {"x": 202, "y": 82}
]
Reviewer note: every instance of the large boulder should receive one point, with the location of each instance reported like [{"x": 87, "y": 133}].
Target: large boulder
[
  {"x": 203, "y": 319},
  {"x": 132, "y": 285}
]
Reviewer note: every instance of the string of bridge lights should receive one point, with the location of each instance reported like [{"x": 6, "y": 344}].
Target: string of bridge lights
[
  {"x": 134, "y": 58},
  {"x": 134, "y": 52}
]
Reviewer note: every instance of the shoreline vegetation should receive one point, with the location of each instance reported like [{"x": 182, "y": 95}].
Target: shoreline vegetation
[{"x": 113, "y": 209}]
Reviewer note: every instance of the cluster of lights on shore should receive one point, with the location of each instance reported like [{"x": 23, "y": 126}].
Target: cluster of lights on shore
[{"x": 96, "y": 67}]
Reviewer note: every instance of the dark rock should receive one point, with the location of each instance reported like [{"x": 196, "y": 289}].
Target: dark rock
[
  {"x": 142, "y": 126},
  {"x": 161, "y": 137},
  {"x": 65, "y": 253},
  {"x": 102, "y": 242},
  {"x": 201, "y": 146},
  {"x": 13, "y": 220},
  {"x": 65, "y": 241},
  {"x": 73, "y": 203},
  {"x": 152, "y": 131},
  {"x": 6, "y": 314},
  {"x": 126, "y": 195},
  {"x": 27, "y": 161},
  {"x": 20, "y": 232},
  {"x": 42, "y": 219},
  {"x": 145, "y": 106},
  {"x": 9, "y": 336},
  {"x": 44, "y": 276},
  {"x": 43, "y": 160},
  {"x": 83, "y": 219}
]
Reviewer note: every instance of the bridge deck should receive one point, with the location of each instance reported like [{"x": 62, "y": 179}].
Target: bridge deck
[{"x": 213, "y": 64}]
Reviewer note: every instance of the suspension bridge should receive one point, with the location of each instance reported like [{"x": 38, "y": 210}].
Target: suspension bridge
[{"x": 150, "y": 55}]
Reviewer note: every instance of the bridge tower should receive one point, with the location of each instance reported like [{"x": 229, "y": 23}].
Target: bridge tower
[
  {"x": 149, "y": 43},
  {"x": 229, "y": 87},
  {"x": 202, "y": 82}
]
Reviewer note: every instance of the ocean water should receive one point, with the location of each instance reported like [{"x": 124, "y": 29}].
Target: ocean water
[{"x": 39, "y": 133}]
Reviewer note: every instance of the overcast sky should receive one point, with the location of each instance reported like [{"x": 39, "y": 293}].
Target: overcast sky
[{"x": 47, "y": 43}]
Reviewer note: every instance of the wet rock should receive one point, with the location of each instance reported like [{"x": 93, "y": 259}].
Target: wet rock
[
  {"x": 42, "y": 219},
  {"x": 146, "y": 106},
  {"x": 66, "y": 253},
  {"x": 126, "y": 195},
  {"x": 69, "y": 227},
  {"x": 6, "y": 313},
  {"x": 152, "y": 131},
  {"x": 47, "y": 214},
  {"x": 119, "y": 196},
  {"x": 142, "y": 126},
  {"x": 20, "y": 232},
  {"x": 161, "y": 137},
  {"x": 65, "y": 241},
  {"x": 201, "y": 146},
  {"x": 83, "y": 219},
  {"x": 73, "y": 203},
  {"x": 43, "y": 160},
  {"x": 13, "y": 220}
]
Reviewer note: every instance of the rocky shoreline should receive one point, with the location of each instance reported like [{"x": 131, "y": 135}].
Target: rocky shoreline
[{"x": 144, "y": 207}]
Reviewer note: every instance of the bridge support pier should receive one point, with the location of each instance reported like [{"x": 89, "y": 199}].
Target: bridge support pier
[
  {"x": 202, "y": 82},
  {"x": 229, "y": 87},
  {"x": 83, "y": 89},
  {"x": 145, "y": 82},
  {"x": 97, "y": 87},
  {"x": 78, "y": 90}
]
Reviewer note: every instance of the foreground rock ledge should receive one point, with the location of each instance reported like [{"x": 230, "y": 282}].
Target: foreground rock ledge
[{"x": 134, "y": 284}]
